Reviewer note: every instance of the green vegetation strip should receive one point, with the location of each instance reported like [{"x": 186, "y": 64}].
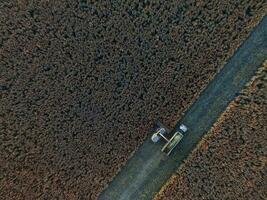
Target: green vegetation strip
[{"x": 148, "y": 170}]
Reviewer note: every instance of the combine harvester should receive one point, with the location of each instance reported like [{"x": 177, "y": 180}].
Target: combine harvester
[{"x": 162, "y": 132}]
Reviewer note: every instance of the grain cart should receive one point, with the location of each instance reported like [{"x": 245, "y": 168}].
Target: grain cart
[{"x": 171, "y": 143}]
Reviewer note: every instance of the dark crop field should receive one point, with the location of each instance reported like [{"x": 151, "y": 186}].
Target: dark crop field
[
  {"x": 230, "y": 162},
  {"x": 81, "y": 83}
]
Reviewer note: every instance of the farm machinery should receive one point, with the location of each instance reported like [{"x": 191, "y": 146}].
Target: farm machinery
[{"x": 172, "y": 141}]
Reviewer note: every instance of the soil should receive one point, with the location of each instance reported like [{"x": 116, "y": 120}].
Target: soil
[
  {"x": 82, "y": 82},
  {"x": 230, "y": 162}
]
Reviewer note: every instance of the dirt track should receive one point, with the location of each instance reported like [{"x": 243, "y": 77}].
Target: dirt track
[{"x": 80, "y": 84}]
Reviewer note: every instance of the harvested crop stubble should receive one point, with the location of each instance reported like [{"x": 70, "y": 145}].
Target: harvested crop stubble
[
  {"x": 230, "y": 162},
  {"x": 81, "y": 83}
]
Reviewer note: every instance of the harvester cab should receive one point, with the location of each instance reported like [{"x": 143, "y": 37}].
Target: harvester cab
[{"x": 162, "y": 132}]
